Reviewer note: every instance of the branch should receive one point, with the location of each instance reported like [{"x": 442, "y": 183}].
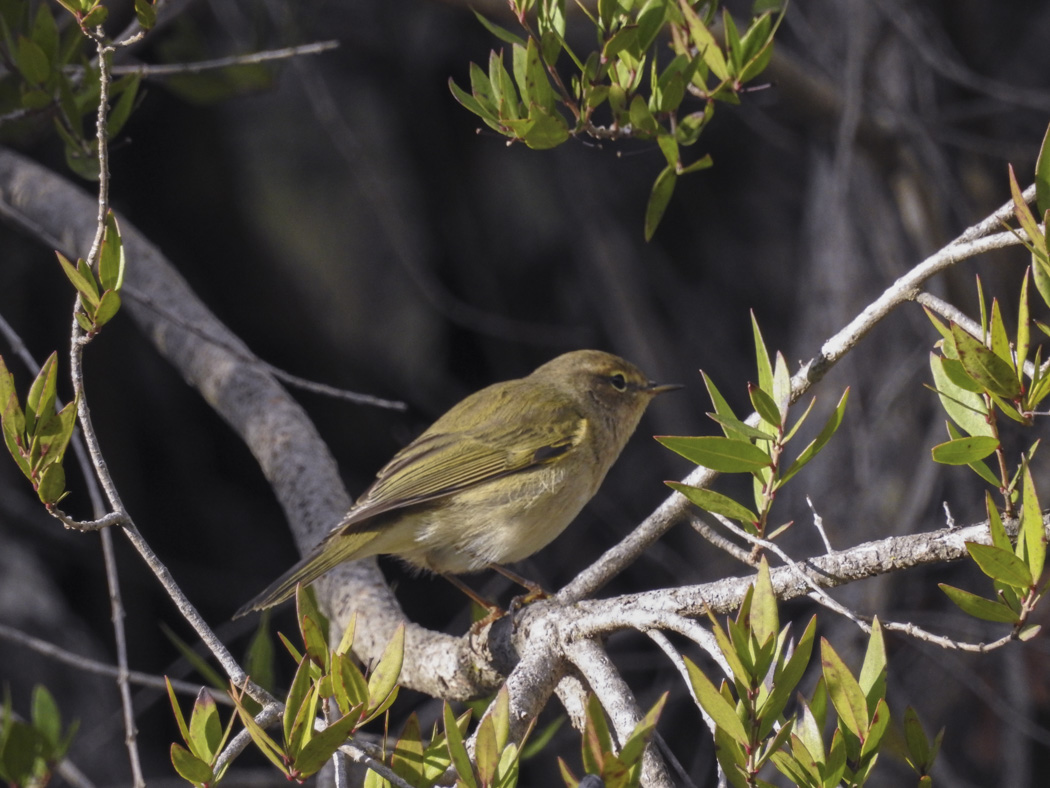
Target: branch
[
  {"x": 971, "y": 243},
  {"x": 294, "y": 459},
  {"x": 147, "y": 70}
]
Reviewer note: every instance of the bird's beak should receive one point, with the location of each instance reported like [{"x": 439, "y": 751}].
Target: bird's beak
[{"x": 659, "y": 388}]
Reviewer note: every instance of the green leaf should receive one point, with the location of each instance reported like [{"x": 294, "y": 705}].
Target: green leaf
[
  {"x": 1001, "y": 565},
  {"x": 1000, "y": 340},
  {"x": 350, "y": 687},
  {"x": 880, "y": 721},
  {"x": 717, "y": 453},
  {"x": 826, "y": 433},
  {"x": 979, "y": 607},
  {"x": 964, "y": 451},
  {"x": 1034, "y": 534},
  {"x": 52, "y": 484},
  {"x": 634, "y": 747},
  {"x": 179, "y": 719},
  {"x": 786, "y": 678},
  {"x": 146, "y": 13},
  {"x": 45, "y": 716},
  {"x": 108, "y": 306},
  {"x": 715, "y": 705},
  {"x": 547, "y": 129},
  {"x": 537, "y": 87},
  {"x": 407, "y": 760},
  {"x": 765, "y": 623},
  {"x": 456, "y": 749},
  {"x": 597, "y": 740},
  {"x": 486, "y": 752},
  {"x": 704, "y": 42},
  {"x": 1021, "y": 210},
  {"x": 963, "y": 404},
  {"x": 499, "y": 32},
  {"x": 82, "y": 279},
  {"x": 316, "y": 752},
  {"x": 980, "y": 468},
  {"x": 1024, "y": 328},
  {"x": 273, "y": 752},
  {"x": 872, "y": 677},
  {"x": 714, "y": 502},
  {"x": 765, "y": 406},
  {"x": 259, "y": 658},
  {"x": 763, "y": 365},
  {"x": 995, "y": 524},
  {"x": 383, "y": 681},
  {"x": 299, "y": 694},
  {"x": 846, "y": 694},
  {"x": 699, "y": 164},
  {"x": 996, "y": 375},
  {"x": 40, "y": 403},
  {"x": 1042, "y": 175},
  {"x": 32, "y": 61},
  {"x": 190, "y": 767},
  {"x": 111, "y": 260},
  {"x": 659, "y": 197},
  {"x": 205, "y": 727}
]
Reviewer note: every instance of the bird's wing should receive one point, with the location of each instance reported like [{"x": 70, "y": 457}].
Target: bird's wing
[{"x": 517, "y": 437}]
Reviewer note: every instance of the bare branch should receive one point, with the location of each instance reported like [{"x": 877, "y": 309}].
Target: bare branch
[{"x": 253, "y": 58}]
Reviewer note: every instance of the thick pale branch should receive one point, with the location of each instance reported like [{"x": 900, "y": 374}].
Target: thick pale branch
[
  {"x": 829, "y": 570},
  {"x": 286, "y": 444}
]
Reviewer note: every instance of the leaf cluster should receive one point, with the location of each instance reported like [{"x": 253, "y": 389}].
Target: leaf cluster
[
  {"x": 30, "y": 750},
  {"x": 99, "y": 295},
  {"x": 665, "y": 95},
  {"x": 44, "y": 83},
  {"x": 751, "y": 727},
  {"x": 38, "y": 436},
  {"x": 617, "y": 769},
  {"x": 324, "y": 673},
  {"x": 755, "y": 450}
]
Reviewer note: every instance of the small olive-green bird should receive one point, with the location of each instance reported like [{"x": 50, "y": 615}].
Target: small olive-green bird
[{"x": 495, "y": 479}]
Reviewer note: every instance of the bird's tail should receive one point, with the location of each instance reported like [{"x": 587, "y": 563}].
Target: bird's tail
[{"x": 333, "y": 550}]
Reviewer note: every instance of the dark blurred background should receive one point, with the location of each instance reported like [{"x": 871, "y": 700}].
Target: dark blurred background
[{"x": 344, "y": 217}]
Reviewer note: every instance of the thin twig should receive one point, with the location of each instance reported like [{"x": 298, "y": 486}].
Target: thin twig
[
  {"x": 247, "y": 357},
  {"x": 152, "y": 71},
  {"x": 88, "y": 665},
  {"x": 972, "y": 242},
  {"x": 713, "y": 537},
  {"x": 822, "y": 597},
  {"x": 101, "y": 524}
]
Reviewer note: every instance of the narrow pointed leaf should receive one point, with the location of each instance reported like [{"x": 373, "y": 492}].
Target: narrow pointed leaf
[
  {"x": 659, "y": 198},
  {"x": 499, "y": 32},
  {"x": 715, "y": 705},
  {"x": 964, "y": 451},
  {"x": 996, "y": 375},
  {"x": 846, "y": 694},
  {"x": 1032, "y": 527},
  {"x": 316, "y": 752},
  {"x": 714, "y": 502},
  {"x": 384, "y": 678},
  {"x": 1001, "y": 565},
  {"x": 826, "y": 433},
  {"x": 190, "y": 767},
  {"x": 978, "y": 606},
  {"x": 718, "y": 453}
]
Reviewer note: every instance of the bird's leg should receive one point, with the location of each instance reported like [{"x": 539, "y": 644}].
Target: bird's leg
[
  {"x": 494, "y": 610},
  {"x": 535, "y": 590}
]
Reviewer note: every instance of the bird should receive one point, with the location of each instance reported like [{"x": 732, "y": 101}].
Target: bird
[{"x": 492, "y": 481}]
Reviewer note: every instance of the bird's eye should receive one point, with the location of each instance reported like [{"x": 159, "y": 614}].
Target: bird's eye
[{"x": 619, "y": 382}]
